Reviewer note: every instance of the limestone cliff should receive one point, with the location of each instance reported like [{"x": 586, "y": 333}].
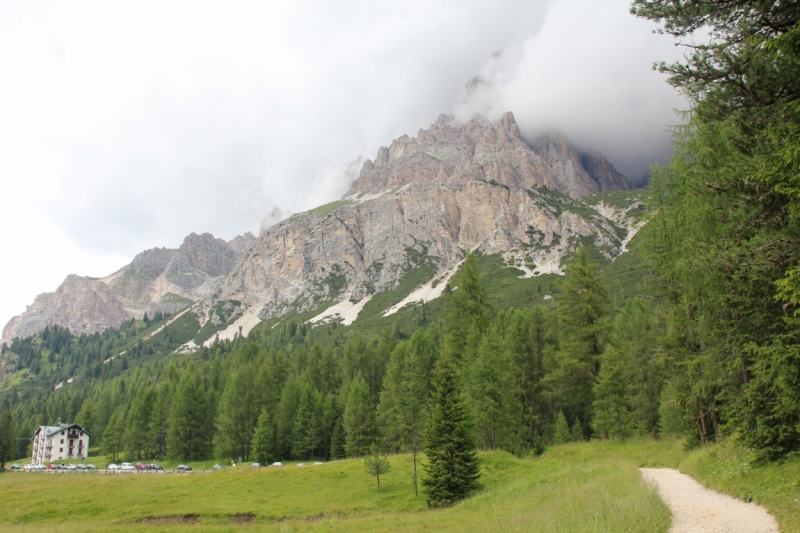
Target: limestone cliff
[
  {"x": 159, "y": 279},
  {"x": 452, "y": 188},
  {"x": 453, "y": 155}
]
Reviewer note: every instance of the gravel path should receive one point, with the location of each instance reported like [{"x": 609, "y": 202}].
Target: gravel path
[{"x": 696, "y": 509}]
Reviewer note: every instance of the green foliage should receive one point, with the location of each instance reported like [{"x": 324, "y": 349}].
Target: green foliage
[
  {"x": 726, "y": 232},
  {"x": 452, "y": 471},
  {"x": 377, "y": 464},
  {"x": 264, "y": 446},
  {"x": 582, "y": 310},
  {"x": 612, "y": 417},
  {"x": 6, "y": 436},
  {"x": 360, "y": 425},
  {"x": 327, "y": 208},
  {"x": 561, "y": 433}
]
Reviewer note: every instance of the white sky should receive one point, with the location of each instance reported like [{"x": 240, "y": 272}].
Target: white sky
[{"x": 128, "y": 125}]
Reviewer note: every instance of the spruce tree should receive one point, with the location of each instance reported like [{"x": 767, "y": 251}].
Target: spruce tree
[
  {"x": 582, "y": 306},
  {"x": 7, "y": 441},
  {"x": 264, "y": 447},
  {"x": 611, "y": 405},
  {"x": 113, "y": 435},
  {"x": 452, "y": 472},
  {"x": 338, "y": 441},
  {"x": 360, "y": 425},
  {"x": 561, "y": 432}
]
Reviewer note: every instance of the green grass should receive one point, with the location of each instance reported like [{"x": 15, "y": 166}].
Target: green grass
[
  {"x": 327, "y": 208},
  {"x": 730, "y": 469},
  {"x": 617, "y": 199},
  {"x": 590, "y": 487}
]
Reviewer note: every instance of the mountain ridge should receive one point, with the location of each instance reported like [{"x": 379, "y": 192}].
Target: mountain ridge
[{"x": 454, "y": 187}]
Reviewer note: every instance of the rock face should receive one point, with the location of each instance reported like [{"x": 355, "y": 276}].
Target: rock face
[
  {"x": 455, "y": 154},
  {"x": 453, "y": 187},
  {"x": 159, "y": 279}
]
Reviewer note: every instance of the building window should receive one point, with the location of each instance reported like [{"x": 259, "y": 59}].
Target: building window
[
  {"x": 61, "y": 450},
  {"x": 62, "y": 432},
  {"x": 62, "y": 441}
]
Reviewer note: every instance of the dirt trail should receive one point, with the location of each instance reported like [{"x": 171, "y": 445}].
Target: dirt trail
[{"x": 696, "y": 509}]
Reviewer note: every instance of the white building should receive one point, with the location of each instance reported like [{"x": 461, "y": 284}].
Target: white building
[{"x": 55, "y": 443}]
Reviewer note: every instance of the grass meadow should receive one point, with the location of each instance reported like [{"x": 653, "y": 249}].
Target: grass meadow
[{"x": 587, "y": 487}]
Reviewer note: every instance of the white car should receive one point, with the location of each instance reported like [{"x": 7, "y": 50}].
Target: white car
[
  {"x": 29, "y": 468},
  {"x": 113, "y": 466},
  {"x": 127, "y": 466}
]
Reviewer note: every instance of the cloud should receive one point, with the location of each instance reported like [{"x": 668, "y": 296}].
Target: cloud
[
  {"x": 128, "y": 125},
  {"x": 587, "y": 74}
]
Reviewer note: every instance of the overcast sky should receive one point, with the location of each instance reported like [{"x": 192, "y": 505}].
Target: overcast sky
[{"x": 128, "y": 125}]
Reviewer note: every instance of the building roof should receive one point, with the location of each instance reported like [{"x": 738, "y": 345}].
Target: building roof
[{"x": 52, "y": 430}]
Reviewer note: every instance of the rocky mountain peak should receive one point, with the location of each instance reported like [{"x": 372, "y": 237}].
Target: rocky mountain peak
[{"x": 453, "y": 154}]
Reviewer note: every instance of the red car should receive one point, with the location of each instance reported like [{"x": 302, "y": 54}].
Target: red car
[{"x": 140, "y": 466}]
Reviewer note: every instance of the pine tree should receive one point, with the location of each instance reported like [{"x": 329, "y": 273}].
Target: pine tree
[
  {"x": 611, "y": 405},
  {"x": 561, "y": 432},
  {"x": 87, "y": 416},
  {"x": 113, "y": 435},
  {"x": 306, "y": 426},
  {"x": 576, "y": 432},
  {"x": 491, "y": 390},
  {"x": 452, "y": 472},
  {"x": 188, "y": 436},
  {"x": 7, "y": 441},
  {"x": 238, "y": 413},
  {"x": 376, "y": 464},
  {"x": 582, "y": 304},
  {"x": 635, "y": 336},
  {"x": 338, "y": 442},
  {"x": 360, "y": 425},
  {"x": 466, "y": 313},
  {"x": 264, "y": 447},
  {"x": 404, "y": 401}
]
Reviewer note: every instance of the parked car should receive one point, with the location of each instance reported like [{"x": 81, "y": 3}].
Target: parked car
[
  {"x": 154, "y": 467},
  {"x": 16, "y": 467},
  {"x": 277, "y": 463},
  {"x": 29, "y": 467},
  {"x": 90, "y": 466},
  {"x": 140, "y": 466},
  {"x": 218, "y": 467},
  {"x": 113, "y": 466},
  {"x": 127, "y": 466},
  {"x": 183, "y": 468},
  {"x": 255, "y": 465},
  {"x": 71, "y": 467}
]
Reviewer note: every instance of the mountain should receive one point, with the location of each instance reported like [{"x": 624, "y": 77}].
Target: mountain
[
  {"x": 422, "y": 202},
  {"x": 159, "y": 279},
  {"x": 427, "y": 199}
]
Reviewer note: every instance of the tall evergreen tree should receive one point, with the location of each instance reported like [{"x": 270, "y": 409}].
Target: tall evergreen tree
[
  {"x": 189, "y": 423},
  {"x": 611, "y": 405},
  {"x": 7, "y": 440},
  {"x": 338, "y": 441},
  {"x": 582, "y": 306},
  {"x": 360, "y": 423},
  {"x": 238, "y": 413},
  {"x": 404, "y": 401},
  {"x": 113, "y": 436},
  {"x": 264, "y": 447},
  {"x": 452, "y": 472}
]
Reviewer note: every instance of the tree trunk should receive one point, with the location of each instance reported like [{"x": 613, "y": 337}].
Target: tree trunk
[{"x": 414, "y": 458}]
